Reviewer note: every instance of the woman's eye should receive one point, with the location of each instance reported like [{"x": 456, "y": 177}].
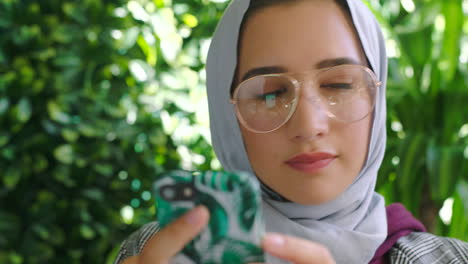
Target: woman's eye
[
  {"x": 271, "y": 95},
  {"x": 337, "y": 85}
]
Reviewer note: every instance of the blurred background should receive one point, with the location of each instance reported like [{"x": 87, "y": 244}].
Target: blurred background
[{"x": 99, "y": 96}]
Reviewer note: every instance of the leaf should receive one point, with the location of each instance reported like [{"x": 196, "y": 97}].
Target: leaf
[
  {"x": 137, "y": 11},
  {"x": 159, "y": 3},
  {"x": 70, "y": 135},
  {"x": 190, "y": 20},
  {"x": 15, "y": 258},
  {"x": 146, "y": 44},
  {"x": 63, "y": 176},
  {"x": 94, "y": 194},
  {"x": 11, "y": 178},
  {"x": 87, "y": 232},
  {"x": 62, "y": 34},
  {"x": 23, "y": 110},
  {"x": 5, "y": 20},
  {"x": 453, "y": 13},
  {"x": 462, "y": 191},
  {"x": 164, "y": 24},
  {"x": 85, "y": 216},
  {"x": 141, "y": 70},
  {"x": 408, "y": 179},
  {"x": 75, "y": 11},
  {"x": 414, "y": 45},
  {"x": 128, "y": 39},
  {"x": 442, "y": 164},
  {"x": 87, "y": 130},
  {"x": 4, "y": 103},
  {"x": 41, "y": 231},
  {"x": 67, "y": 60},
  {"x": 459, "y": 222},
  {"x": 56, "y": 113},
  {"x": 8, "y": 153},
  {"x": 64, "y": 154},
  {"x": 4, "y": 138}
]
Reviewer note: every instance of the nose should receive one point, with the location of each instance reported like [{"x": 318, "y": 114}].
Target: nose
[{"x": 310, "y": 120}]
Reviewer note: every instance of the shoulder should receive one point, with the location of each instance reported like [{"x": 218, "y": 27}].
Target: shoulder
[
  {"x": 135, "y": 243},
  {"x": 419, "y": 247}
]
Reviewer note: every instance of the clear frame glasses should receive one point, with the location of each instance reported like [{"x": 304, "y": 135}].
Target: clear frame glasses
[{"x": 345, "y": 93}]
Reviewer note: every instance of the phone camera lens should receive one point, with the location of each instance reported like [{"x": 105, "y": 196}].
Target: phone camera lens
[
  {"x": 168, "y": 193},
  {"x": 188, "y": 192}
]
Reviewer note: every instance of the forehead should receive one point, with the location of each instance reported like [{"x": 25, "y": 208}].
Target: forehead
[{"x": 298, "y": 36}]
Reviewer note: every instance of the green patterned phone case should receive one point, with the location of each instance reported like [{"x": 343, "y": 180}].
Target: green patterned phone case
[{"x": 236, "y": 226}]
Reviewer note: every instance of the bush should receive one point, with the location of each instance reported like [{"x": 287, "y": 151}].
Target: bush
[{"x": 86, "y": 123}]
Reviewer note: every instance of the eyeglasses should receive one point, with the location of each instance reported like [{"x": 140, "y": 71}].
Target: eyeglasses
[{"x": 345, "y": 93}]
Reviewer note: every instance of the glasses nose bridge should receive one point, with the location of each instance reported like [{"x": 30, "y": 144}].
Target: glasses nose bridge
[
  {"x": 308, "y": 100},
  {"x": 307, "y": 82},
  {"x": 307, "y": 79}
]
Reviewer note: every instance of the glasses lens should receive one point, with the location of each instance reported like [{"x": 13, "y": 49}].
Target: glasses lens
[
  {"x": 346, "y": 93},
  {"x": 349, "y": 91},
  {"x": 265, "y": 102}
]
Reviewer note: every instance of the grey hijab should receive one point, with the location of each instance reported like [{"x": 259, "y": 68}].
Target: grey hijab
[{"x": 353, "y": 225}]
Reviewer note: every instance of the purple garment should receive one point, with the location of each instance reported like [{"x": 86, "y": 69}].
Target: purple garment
[{"x": 400, "y": 223}]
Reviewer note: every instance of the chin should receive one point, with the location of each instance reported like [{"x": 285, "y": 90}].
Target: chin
[{"x": 314, "y": 190}]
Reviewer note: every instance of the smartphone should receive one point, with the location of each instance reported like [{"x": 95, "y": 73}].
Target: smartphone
[{"x": 236, "y": 224}]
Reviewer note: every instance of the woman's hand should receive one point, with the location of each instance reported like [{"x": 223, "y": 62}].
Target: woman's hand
[
  {"x": 172, "y": 239},
  {"x": 296, "y": 250}
]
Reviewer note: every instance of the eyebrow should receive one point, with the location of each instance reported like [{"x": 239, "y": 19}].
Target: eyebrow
[{"x": 327, "y": 63}]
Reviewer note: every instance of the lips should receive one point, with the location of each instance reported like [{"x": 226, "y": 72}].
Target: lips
[{"x": 311, "y": 162}]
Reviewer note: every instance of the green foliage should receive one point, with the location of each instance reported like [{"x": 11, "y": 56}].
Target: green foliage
[
  {"x": 97, "y": 97},
  {"x": 426, "y": 159},
  {"x": 94, "y": 102}
]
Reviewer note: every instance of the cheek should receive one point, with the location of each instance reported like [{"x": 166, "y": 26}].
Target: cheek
[
  {"x": 354, "y": 141},
  {"x": 261, "y": 149}
]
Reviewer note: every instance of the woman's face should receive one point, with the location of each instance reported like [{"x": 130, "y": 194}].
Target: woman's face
[{"x": 304, "y": 36}]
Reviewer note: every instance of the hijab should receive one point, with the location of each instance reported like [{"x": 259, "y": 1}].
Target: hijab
[{"x": 353, "y": 225}]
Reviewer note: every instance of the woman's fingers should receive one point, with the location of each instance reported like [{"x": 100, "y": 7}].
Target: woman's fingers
[
  {"x": 172, "y": 239},
  {"x": 296, "y": 250}
]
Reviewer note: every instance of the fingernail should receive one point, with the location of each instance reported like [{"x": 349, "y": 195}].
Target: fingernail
[
  {"x": 194, "y": 217},
  {"x": 274, "y": 240}
]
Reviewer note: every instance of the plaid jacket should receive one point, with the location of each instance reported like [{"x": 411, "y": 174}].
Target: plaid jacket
[{"x": 416, "y": 248}]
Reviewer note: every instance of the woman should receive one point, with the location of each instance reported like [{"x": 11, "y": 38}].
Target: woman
[{"x": 306, "y": 79}]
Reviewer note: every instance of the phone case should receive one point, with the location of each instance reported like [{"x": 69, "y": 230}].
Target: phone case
[{"x": 236, "y": 225}]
